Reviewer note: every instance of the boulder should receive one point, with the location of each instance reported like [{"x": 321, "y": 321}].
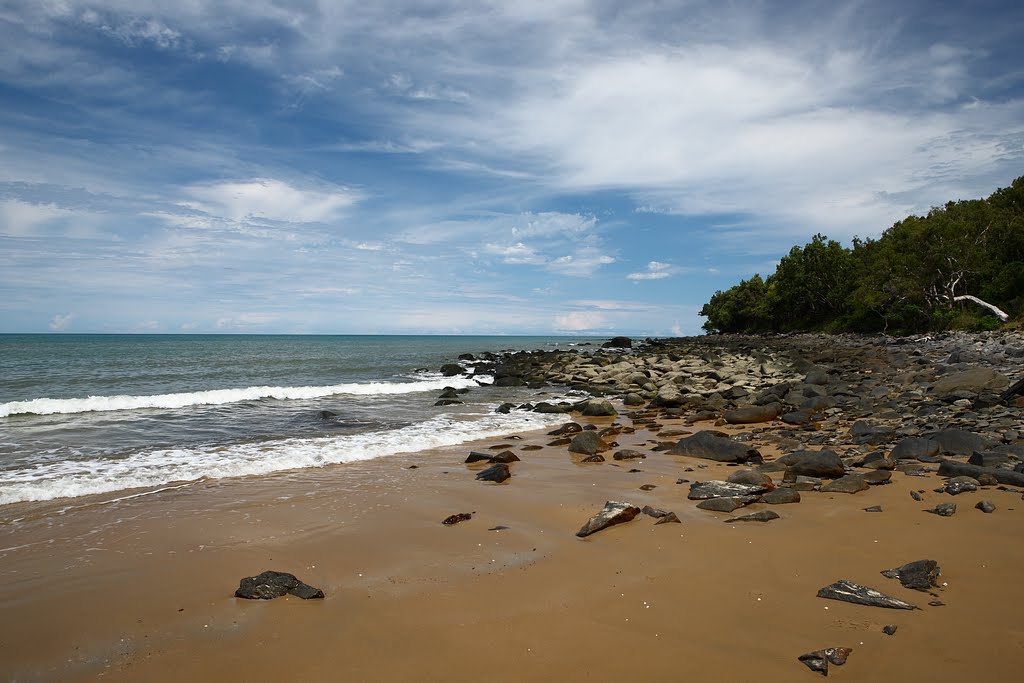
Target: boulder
[
  {"x": 943, "y": 509},
  {"x": 985, "y": 506},
  {"x": 618, "y": 343},
  {"x": 753, "y": 414},
  {"x": 497, "y": 473},
  {"x": 711, "y": 445},
  {"x": 726, "y": 504},
  {"x": 628, "y": 454},
  {"x": 973, "y": 380},
  {"x": 781, "y": 496},
  {"x": 959, "y": 441},
  {"x": 752, "y": 477},
  {"x": 952, "y": 468},
  {"x": 271, "y": 584},
  {"x": 599, "y": 407},
  {"x": 848, "y": 591},
  {"x": 851, "y": 483},
  {"x": 613, "y": 512},
  {"x": 587, "y": 443},
  {"x": 822, "y": 464},
  {"x": 914, "y": 448}
]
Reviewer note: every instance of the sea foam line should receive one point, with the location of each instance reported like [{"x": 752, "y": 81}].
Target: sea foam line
[
  {"x": 163, "y": 467},
  {"x": 51, "y": 406}
]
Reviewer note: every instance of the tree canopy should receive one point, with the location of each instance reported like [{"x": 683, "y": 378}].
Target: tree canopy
[{"x": 905, "y": 281}]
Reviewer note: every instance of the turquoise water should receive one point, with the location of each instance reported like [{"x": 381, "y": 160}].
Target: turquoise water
[{"x": 88, "y": 414}]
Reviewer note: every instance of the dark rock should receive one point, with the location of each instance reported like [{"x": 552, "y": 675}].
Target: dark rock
[
  {"x": 877, "y": 478},
  {"x": 759, "y": 516},
  {"x": 852, "y": 483},
  {"x": 716, "y": 446},
  {"x": 955, "y": 488},
  {"x": 952, "y": 468},
  {"x": 889, "y": 629},
  {"x": 449, "y": 402},
  {"x": 449, "y": 392},
  {"x": 936, "y": 603},
  {"x": 920, "y": 575},
  {"x": 864, "y": 432},
  {"x": 753, "y": 414},
  {"x": 670, "y": 518},
  {"x": 618, "y": 343},
  {"x": 614, "y": 512},
  {"x": 500, "y": 527},
  {"x": 455, "y": 519},
  {"x": 726, "y": 504},
  {"x": 653, "y": 512},
  {"x": 550, "y": 408},
  {"x": 916, "y": 496},
  {"x": 985, "y": 506},
  {"x": 567, "y": 428},
  {"x": 781, "y": 496},
  {"x": 973, "y": 380},
  {"x": 452, "y": 369},
  {"x": 326, "y": 414},
  {"x": 847, "y": 591},
  {"x": 873, "y": 508},
  {"x": 627, "y": 454},
  {"x": 959, "y": 441},
  {"x": 497, "y": 473},
  {"x": 944, "y": 509},
  {"x": 914, "y": 448},
  {"x": 505, "y": 408},
  {"x": 989, "y": 459},
  {"x": 271, "y": 584},
  {"x": 823, "y": 464},
  {"x": 596, "y": 457},
  {"x": 722, "y": 489},
  {"x": 587, "y": 443},
  {"x": 648, "y": 487},
  {"x": 798, "y": 418},
  {"x": 819, "y": 660}
]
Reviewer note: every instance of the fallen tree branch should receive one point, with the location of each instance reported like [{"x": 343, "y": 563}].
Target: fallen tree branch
[{"x": 996, "y": 311}]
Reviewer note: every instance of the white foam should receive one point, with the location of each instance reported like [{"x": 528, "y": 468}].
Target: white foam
[
  {"x": 50, "y": 406},
  {"x": 162, "y": 467}
]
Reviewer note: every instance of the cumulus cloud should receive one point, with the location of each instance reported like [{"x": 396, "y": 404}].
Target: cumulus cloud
[
  {"x": 581, "y": 321},
  {"x": 61, "y": 322}
]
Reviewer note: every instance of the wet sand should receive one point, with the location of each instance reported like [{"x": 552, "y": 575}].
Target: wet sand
[{"x": 142, "y": 589}]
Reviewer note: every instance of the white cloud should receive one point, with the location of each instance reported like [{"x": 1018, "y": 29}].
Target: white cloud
[
  {"x": 581, "y": 321},
  {"x": 61, "y": 322},
  {"x": 270, "y": 199},
  {"x": 584, "y": 262},
  {"x": 241, "y": 321},
  {"x": 655, "y": 271},
  {"x": 23, "y": 218}
]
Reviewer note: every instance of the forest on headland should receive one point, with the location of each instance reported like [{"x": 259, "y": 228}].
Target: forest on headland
[{"x": 913, "y": 278}]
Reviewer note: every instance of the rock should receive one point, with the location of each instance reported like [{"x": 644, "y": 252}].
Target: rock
[
  {"x": 801, "y": 483},
  {"x": 455, "y": 519},
  {"x": 823, "y": 464},
  {"x": 670, "y": 518},
  {"x": 566, "y": 429},
  {"x": 618, "y": 343},
  {"x": 550, "y": 408},
  {"x": 627, "y": 454},
  {"x": 614, "y": 512},
  {"x": 632, "y": 399},
  {"x": 704, "y": 490},
  {"x": 599, "y": 407},
  {"x": 711, "y": 445},
  {"x": 505, "y": 408},
  {"x": 959, "y": 441},
  {"x": 587, "y": 443},
  {"x": 877, "y": 478},
  {"x": 985, "y": 506},
  {"x": 449, "y": 392},
  {"x": 668, "y": 396},
  {"x": 497, "y": 473},
  {"x": 726, "y": 504},
  {"x": 916, "y": 496},
  {"x": 852, "y": 483},
  {"x": 943, "y": 509},
  {"x": 914, "y": 448},
  {"x": 759, "y": 516},
  {"x": 847, "y": 591},
  {"x": 955, "y": 488},
  {"x": 596, "y": 457},
  {"x": 653, "y": 512},
  {"x": 504, "y": 456},
  {"x": 326, "y": 414},
  {"x": 951, "y": 468},
  {"x": 973, "y": 380},
  {"x": 873, "y": 508},
  {"x": 452, "y": 369},
  {"x": 819, "y": 660},
  {"x": 751, "y": 477},
  {"x": 889, "y": 629},
  {"x": 798, "y": 418},
  {"x": 753, "y": 414},
  {"x": 271, "y": 584},
  {"x": 648, "y": 487},
  {"x": 920, "y": 575},
  {"x": 781, "y": 496}
]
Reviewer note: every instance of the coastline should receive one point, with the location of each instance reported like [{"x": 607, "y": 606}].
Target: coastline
[{"x": 142, "y": 588}]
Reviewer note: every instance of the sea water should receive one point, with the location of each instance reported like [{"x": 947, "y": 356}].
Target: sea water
[{"x": 97, "y": 414}]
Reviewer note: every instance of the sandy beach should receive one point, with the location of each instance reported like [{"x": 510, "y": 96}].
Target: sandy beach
[{"x": 142, "y": 588}]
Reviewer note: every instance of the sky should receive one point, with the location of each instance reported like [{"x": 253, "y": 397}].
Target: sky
[{"x": 436, "y": 167}]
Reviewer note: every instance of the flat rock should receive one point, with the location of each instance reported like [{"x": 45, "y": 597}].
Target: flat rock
[
  {"x": 959, "y": 441},
  {"x": 613, "y": 512},
  {"x": 271, "y": 584},
  {"x": 848, "y": 591},
  {"x": 952, "y": 468},
  {"x": 920, "y": 575},
  {"x": 823, "y": 464},
  {"x": 628, "y": 454},
  {"x": 759, "y": 516},
  {"x": 781, "y": 496},
  {"x": 943, "y": 509},
  {"x": 726, "y": 504},
  {"x": 566, "y": 429},
  {"x": 873, "y": 508},
  {"x": 751, "y": 477},
  {"x": 955, "y": 488},
  {"x": 497, "y": 473},
  {"x": 914, "y": 448},
  {"x": 653, "y": 511},
  {"x": 704, "y": 490},
  {"x": 711, "y": 445},
  {"x": 753, "y": 414},
  {"x": 852, "y": 483},
  {"x": 972, "y": 379}
]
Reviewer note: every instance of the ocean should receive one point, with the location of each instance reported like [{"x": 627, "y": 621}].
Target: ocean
[{"x": 82, "y": 415}]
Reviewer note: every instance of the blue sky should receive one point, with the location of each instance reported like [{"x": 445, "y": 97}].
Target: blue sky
[{"x": 536, "y": 167}]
